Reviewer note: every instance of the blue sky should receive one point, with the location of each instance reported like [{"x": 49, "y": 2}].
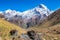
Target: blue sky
[{"x": 22, "y": 5}]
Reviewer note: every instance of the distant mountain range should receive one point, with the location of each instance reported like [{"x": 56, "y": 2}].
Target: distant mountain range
[{"x": 27, "y": 18}]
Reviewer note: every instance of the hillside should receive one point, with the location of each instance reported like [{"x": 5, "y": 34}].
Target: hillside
[
  {"x": 52, "y": 19},
  {"x": 6, "y": 27},
  {"x": 48, "y": 33},
  {"x": 50, "y": 28}
]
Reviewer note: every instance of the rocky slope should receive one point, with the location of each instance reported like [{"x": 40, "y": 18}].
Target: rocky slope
[{"x": 52, "y": 19}]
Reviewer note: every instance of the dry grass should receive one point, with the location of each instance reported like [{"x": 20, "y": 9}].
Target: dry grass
[
  {"x": 48, "y": 32},
  {"x": 6, "y": 27}
]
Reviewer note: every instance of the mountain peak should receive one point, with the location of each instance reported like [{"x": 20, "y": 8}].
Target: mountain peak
[{"x": 42, "y": 6}]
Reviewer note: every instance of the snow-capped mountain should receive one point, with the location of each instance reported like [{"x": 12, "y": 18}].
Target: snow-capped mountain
[
  {"x": 39, "y": 10},
  {"x": 32, "y": 15}
]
